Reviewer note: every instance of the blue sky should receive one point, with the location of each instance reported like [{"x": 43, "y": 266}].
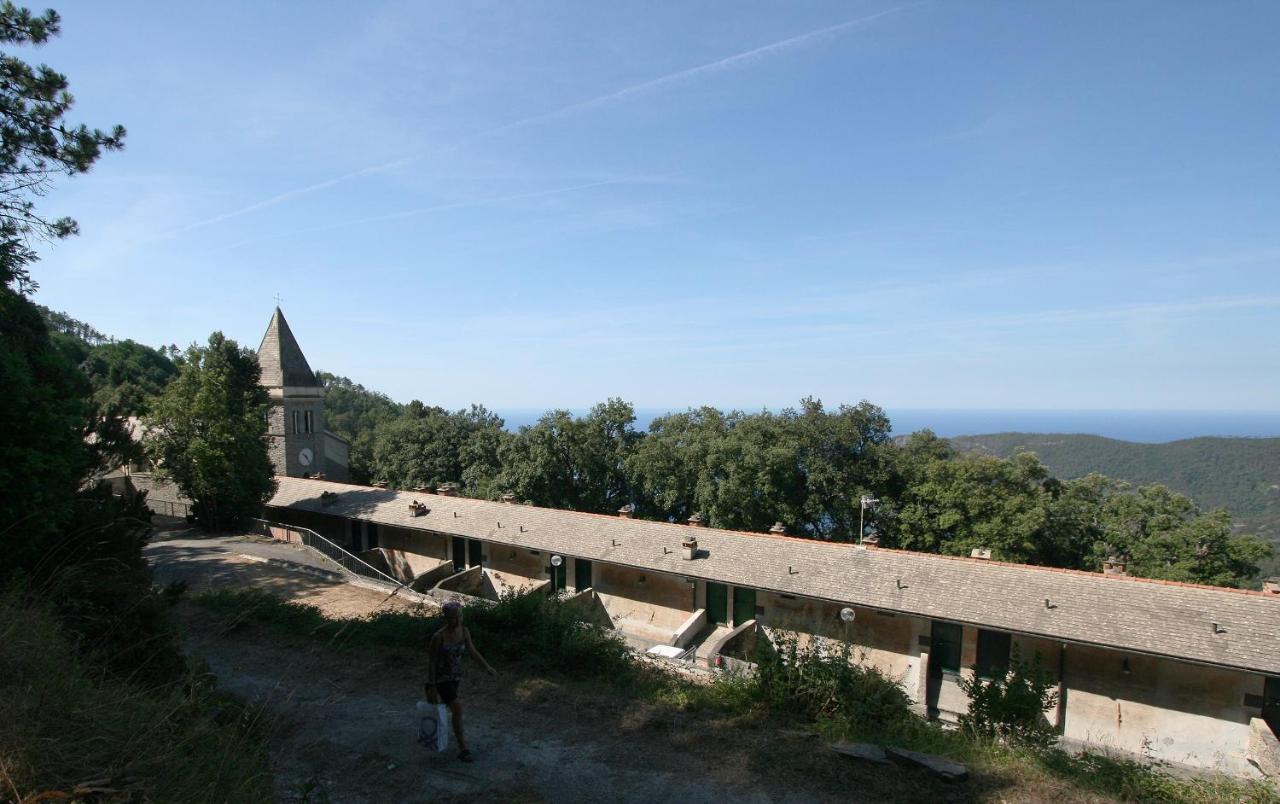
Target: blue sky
[{"x": 933, "y": 205}]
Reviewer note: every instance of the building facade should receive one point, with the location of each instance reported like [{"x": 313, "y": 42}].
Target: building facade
[{"x": 1183, "y": 673}]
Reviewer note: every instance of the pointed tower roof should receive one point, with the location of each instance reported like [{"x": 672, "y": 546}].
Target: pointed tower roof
[{"x": 281, "y": 359}]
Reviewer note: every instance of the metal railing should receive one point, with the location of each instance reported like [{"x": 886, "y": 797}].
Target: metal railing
[
  {"x": 338, "y": 556},
  {"x": 170, "y": 508}
]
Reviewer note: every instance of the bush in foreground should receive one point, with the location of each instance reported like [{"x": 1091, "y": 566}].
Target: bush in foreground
[{"x": 69, "y": 726}]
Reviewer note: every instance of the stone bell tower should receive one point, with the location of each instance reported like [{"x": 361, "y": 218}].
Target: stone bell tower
[{"x": 295, "y": 423}]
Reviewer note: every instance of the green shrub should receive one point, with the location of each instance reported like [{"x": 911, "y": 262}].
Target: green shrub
[
  {"x": 66, "y": 722},
  {"x": 1011, "y": 708},
  {"x": 536, "y": 632},
  {"x": 824, "y": 679}
]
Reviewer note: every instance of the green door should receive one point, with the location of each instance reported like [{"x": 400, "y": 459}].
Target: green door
[
  {"x": 744, "y": 605},
  {"x": 475, "y": 553},
  {"x": 944, "y": 657},
  {"x": 717, "y": 602},
  {"x": 581, "y": 574},
  {"x": 459, "y": 554},
  {"x": 1271, "y": 703}
]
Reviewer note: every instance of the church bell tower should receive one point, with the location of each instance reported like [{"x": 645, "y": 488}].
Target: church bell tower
[{"x": 295, "y": 423}]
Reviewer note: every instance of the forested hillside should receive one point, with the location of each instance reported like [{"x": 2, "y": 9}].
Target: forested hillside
[{"x": 1239, "y": 474}]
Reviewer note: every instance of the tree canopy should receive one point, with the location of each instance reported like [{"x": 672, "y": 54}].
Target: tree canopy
[
  {"x": 36, "y": 143},
  {"x": 208, "y": 432}
]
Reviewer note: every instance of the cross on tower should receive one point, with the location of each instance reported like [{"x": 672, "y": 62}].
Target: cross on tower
[{"x": 278, "y": 300}]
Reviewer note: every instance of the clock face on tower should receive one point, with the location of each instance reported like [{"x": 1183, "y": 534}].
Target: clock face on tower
[{"x": 305, "y": 456}]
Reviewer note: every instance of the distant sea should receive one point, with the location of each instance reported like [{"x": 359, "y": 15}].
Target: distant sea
[{"x": 1150, "y": 426}]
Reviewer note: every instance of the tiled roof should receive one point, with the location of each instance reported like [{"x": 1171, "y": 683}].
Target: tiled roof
[
  {"x": 1223, "y": 627},
  {"x": 281, "y": 359}
]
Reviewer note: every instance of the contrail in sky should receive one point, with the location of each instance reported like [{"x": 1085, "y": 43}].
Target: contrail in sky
[
  {"x": 719, "y": 65},
  {"x": 408, "y": 213},
  {"x": 727, "y": 63},
  {"x": 289, "y": 194}
]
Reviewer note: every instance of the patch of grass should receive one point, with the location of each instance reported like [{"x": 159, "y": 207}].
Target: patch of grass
[
  {"x": 530, "y": 631},
  {"x": 68, "y": 724}
]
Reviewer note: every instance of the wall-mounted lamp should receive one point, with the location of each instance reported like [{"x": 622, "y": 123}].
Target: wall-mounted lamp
[{"x": 848, "y": 615}]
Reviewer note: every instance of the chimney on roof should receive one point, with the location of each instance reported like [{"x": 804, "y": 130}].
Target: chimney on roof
[
  {"x": 778, "y": 529},
  {"x": 381, "y": 484},
  {"x": 509, "y": 498},
  {"x": 983, "y": 553},
  {"x": 696, "y": 520},
  {"x": 447, "y": 490},
  {"x": 626, "y": 511},
  {"x": 689, "y": 547},
  {"x": 1115, "y": 565},
  {"x": 871, "y": 541},
  {"x": 1272, "y": 585}
]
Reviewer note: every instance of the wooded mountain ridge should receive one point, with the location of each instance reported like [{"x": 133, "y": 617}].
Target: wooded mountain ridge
[{"x": 1241, "y": 475}]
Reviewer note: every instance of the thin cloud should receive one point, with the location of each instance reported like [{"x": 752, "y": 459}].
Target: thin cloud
[
  {"x": 409, "y": 213},
  {"x": 720, "y": 65},
  {"x": 291, "y": 194}
]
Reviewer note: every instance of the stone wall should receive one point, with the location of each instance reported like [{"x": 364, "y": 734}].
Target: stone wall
[
  {"x": 1171, "y": 710},
  {"x": 888, "y": 643},
  {"x": 435, "y": 545}
]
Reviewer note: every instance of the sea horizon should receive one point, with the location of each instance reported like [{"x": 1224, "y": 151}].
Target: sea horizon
[{"x": 1141, "y": 426}]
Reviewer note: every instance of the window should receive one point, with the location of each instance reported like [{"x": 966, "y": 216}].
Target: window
[
  {"x": 297, "y": 424},
  {"x": 308, "y": 423},
  {"x": 993, "y": 654}
]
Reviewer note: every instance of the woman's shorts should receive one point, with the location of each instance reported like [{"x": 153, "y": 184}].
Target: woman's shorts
[{"x": 448, "y": 691}]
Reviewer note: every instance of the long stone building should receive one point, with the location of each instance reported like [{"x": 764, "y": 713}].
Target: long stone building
[{"x": 1183, "y": 673}]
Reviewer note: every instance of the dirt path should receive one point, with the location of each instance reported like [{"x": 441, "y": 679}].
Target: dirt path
[
  {"x": 347, "y": 727},
  {"x": 344, "y": 727}
]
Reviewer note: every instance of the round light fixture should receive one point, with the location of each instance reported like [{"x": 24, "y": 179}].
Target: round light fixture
[
  {"x": 556, "y": 561},
  {"x": 848, "y": 614}
]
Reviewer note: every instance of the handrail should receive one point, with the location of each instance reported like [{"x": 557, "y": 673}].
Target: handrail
[{"x": 338, "y": 555}]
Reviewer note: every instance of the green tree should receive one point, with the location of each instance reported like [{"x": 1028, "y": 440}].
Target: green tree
[
  {"x": 1166, "y": 536},
  {"x": 208, "y": 432},
  {"x": 430, "y": 445},
  {"x": 671, "y": 472},
  {"x": 125, "y": 375},
  {"x": 355, "y": 412},
  {"x": 36, "y": 144},
  {"x": 953, "y": 505},
  {"x": 574, "y": 463},
  {"x": 45, "y": 416}
]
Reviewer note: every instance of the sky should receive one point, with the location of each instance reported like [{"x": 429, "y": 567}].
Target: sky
[{"x": 926, "y": 205}]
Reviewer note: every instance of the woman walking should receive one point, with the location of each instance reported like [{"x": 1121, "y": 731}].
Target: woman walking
[{"x": 444, "y": 669}]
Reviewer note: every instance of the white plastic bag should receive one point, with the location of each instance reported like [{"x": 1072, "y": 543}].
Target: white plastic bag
[{"x": 433, "y": 725}]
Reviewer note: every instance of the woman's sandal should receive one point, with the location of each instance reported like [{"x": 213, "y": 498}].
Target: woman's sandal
[{"x": 465, "y": 756}]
